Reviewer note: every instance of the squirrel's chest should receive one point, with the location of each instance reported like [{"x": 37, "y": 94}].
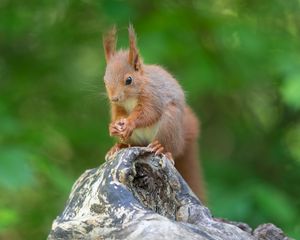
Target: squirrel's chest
[
  {"x": 140, "y": 136},
  {"x": 130, "y": 104},
  {"x": 144, "y": 136}
]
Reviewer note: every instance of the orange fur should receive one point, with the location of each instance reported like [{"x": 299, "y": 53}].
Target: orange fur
[
  {"x": 151, "y": 107},
  {"x": 117, "y": 112}
]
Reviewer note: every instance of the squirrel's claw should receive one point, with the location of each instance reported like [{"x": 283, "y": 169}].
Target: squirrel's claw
[
  {"x": 114, "y": 129},
  {"x": 170, "y": 157},
  {"x": 115, "y": 149},
  {"x": 157, "y": 148},
  {"x": 112, "y": 151},
  {"x": 117, "y": 128},
  {"x": 127, "y": 129}
]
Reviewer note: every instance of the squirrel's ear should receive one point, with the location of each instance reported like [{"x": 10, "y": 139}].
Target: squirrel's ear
[
  {"x": 109, "y": 43},
  {"x": 134, "y": 58}
]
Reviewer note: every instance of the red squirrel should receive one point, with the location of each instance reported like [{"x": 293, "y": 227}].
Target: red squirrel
[{"x": 148, "y": 108}]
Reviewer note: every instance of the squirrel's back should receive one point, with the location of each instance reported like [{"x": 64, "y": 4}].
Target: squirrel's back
[{"x": 164, "y": 85}]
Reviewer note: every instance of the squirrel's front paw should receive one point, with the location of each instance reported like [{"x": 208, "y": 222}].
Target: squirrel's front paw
[
  {"x": 127, "y": 127},
  {"x": 115, "y": 128},
  {"x": 122, "y": 128}
]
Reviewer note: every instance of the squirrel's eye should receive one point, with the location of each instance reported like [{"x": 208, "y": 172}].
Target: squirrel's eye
[{"x": 128, "y": 81}]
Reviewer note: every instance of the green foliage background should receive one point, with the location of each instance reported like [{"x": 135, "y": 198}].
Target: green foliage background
[{"x": 238, "y": 61}]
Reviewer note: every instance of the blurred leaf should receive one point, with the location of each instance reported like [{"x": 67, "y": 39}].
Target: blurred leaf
[
  {"x": 15, "y": 170},
  {"x": 263, "y": 108},
  {"x": 57, "y": 176},
  {"x": 234, "y": 204},
  {"x": 290, "y": 90},
  {"x": 8, "y": 217},
  {"x": 292, "y": 141},
  {"x": 8, "y": 124},
  {"x": 274, "y": 204}
]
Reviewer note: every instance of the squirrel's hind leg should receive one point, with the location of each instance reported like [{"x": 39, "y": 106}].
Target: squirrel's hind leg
[{"x": 157, "y": 147}]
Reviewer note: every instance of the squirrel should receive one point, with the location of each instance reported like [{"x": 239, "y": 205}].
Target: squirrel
[{"x": 148, "y": 108}]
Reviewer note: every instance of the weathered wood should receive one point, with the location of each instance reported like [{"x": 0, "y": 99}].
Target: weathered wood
[{"x": 136, "y": 195}]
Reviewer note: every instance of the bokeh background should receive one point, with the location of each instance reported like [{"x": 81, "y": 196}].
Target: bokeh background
[{"x": 238, "y": 61}]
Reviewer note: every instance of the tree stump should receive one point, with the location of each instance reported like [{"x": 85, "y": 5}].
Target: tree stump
[{"x": 137, "y": 195}]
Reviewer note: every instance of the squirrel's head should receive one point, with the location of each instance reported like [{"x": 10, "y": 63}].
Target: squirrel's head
[{"x": 124, "y": 69}]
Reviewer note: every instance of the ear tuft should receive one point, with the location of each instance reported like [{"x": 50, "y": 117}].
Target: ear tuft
[
  {"x": 133, "y": 58},
  {"x": 109, "y": 43}
]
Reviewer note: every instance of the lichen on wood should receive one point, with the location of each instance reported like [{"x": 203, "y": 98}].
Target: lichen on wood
[{"x": 137, "y": 195}]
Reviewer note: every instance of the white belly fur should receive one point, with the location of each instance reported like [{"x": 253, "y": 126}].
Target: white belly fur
[
  {"x": 141, "y": 136},
  {"x": 144, "y": 136},
  {"x": 129, "y": 104}
]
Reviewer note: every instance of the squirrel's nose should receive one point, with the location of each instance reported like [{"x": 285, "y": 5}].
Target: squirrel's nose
[{"x": 115, "y": 99}]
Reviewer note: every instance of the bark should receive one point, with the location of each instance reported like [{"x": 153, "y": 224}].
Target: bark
[{"x": 136, "y": 195}]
